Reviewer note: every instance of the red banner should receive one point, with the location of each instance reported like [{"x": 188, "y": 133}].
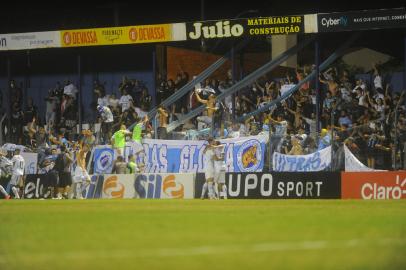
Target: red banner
[{"x": 373, "y": 185}]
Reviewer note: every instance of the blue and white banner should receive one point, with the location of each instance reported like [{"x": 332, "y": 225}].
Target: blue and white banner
[
  {"x": 244, "y": 154},
  {"x": 31, "y": 160},
  {"x": 103, "y": 160},
  {"x": 318, "y": 161}
]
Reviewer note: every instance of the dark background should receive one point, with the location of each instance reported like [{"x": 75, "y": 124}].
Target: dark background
[{"x": 30, "y": 16}]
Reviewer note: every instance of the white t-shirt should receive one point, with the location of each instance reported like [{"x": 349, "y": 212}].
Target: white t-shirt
[
  {"x": 5, "y": 165},
  {"x": 104, "y": 101},
  {"x": 70, "y": 90},
  {"x": 106, "y": 115},
  {"x": 378, "y": 82},
  {"x": 18, "y": 165},
  {"x": 234, "y": 134},
  {"x": 208, "y": 160},
  {"x": 280, "y": 128},
  {"x": 125, "y": 102},
  {"x": 219, "y": 165}
]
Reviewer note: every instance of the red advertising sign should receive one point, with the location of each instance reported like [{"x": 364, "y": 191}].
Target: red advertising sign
[{"x": 373, "y": 185}]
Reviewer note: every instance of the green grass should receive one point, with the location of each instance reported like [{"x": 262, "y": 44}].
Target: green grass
[{"x": 195, "y": 234}]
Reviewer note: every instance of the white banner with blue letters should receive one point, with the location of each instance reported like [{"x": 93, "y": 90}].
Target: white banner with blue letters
[
  {"x": 317, "y": 161},
  {"x": 245, "y": 154}
]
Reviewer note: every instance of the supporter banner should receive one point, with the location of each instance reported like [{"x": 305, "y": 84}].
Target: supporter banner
[
  {"x": 373, "y": 185},
  {"x": 116, "y": 35},
  {"x": 28, "y": 41},
  {"x": 317, "y": 161},
  {"x": 103, "y": 160},
  {"x": 292, "y": 185},
  {"x": 352, "y": 164},
  {"x": 31, "y": 160},
  {"x": 281, "y": 25},
  {"x": 151, "y": 186},
  {"x": 244, "y": 154},
  {"x": 361, "y": 20}
]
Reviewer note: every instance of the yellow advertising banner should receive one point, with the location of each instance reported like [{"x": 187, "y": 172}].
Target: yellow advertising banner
[{"x": 116, "y": 35}]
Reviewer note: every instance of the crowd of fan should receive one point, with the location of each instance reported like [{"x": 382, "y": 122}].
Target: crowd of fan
[{"x": 360, "y": 115}]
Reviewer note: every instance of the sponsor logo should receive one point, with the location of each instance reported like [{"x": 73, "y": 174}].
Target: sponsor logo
[
  {"x": 147, "y": 34},
  {"x": 328, "y": 22},
  {"x": 151, "y": 33},
  {"x": 374, "y": 185},
  {"x": 34, "y": 188},
  {"x": 112, "y": 34},
  {"x": 132, "y": 34},
  {"x": 249, "y": 156},
  {"x": 263, "y": 185},
  {"x": 3, "y": 42},
  {"x": 219, "y": 30},
  {"x": 80, "y": 37},
  {"x": 172, "y": 188},
  {"x": 384, "y": 191},
  {"x": 275, "y": 25},
  {"x": 151, "y": 185},
  {"x": 112, "y": 188}
]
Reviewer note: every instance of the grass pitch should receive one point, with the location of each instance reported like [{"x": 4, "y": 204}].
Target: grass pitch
[{"x": 195, "y": 234}]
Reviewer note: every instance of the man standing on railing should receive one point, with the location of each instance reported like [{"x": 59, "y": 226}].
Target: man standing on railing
[
  {"x": 163, "y": 122},
  {"x": 210, "y": 108},
  {"x": 107, "y": 120}
]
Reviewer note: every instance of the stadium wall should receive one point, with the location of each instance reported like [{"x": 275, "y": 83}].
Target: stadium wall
[{"x": 292, "y": 185}]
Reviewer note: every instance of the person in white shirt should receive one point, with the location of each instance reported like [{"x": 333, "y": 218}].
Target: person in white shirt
[
  {"x": 70, "y": 90},
  {"x": 103, "y": 101},
  {"x": 280, "y": 126},
  {"x": 209, "y": 169},
  {"x": 17, "y": 173},
  {"x": 377, "y": 79},
  {"x": 125, "y": 101},
  {"x": 5, "y": 169},
  {"x": 107, "y": 119},
  {"x": 220, "y": 170}
]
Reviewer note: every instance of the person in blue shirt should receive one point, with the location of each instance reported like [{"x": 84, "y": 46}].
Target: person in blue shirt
[
  {"x": 344, "y": 119},
  {"x": 325, "y": 139}
]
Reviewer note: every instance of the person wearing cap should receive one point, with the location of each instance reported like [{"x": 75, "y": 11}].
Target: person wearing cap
[
  {"x": 210, "y": 108},
  {"x": 107, "y": 120}
]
